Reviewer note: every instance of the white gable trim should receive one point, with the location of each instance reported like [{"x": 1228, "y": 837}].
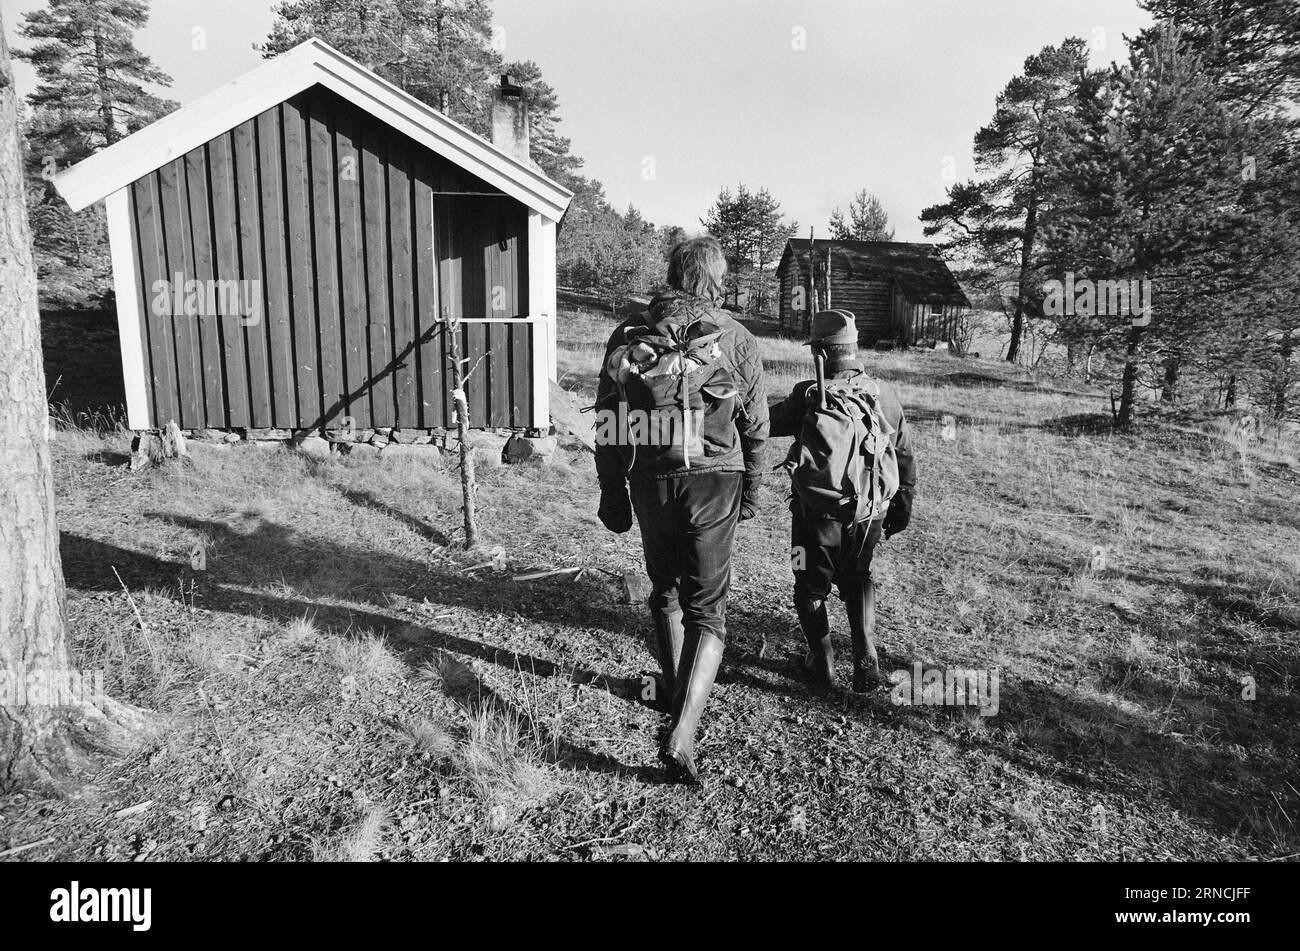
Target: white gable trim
[{"x": 277, "y": 80}]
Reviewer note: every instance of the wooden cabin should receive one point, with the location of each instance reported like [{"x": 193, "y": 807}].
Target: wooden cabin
[
  {"x": 898, "y": 291},
  {"x": 293, "y": 250}
]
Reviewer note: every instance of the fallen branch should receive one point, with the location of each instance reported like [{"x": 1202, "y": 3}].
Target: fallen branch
[
  {"x": 23, "y": 848},
  {"x": 555, "y": 573}
]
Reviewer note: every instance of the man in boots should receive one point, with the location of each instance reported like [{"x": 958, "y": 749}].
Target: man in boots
[
  {"x": 689, "y": 491},
  {"x": 827, "y": 551}
]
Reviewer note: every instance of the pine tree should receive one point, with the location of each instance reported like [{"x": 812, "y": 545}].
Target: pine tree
[
  {"x": 610, "y": 254},
  {"x": 1151, "y": 188},
  {"x": 753, "y": 233},
  {"x": 90, "y": 93},
  {"x": 41, "y": 744},
  {"x": 439, "y": 51},
  {"x": 1248, "y": 48},
  {"x": 868, "y": 220},
  {"x": 996, "y": 217},
  {"x": 91, "y": 78}
]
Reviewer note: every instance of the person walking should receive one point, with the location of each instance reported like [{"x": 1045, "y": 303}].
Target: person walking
[
  {"x": 854, "y": 477},
  {"x": 682, "y": 419}
]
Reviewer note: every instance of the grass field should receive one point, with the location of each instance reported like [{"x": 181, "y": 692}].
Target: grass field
[{"x": 342, "y": 681}]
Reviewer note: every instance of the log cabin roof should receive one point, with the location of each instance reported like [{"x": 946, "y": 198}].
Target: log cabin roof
[{"x": 917, "y": 267}]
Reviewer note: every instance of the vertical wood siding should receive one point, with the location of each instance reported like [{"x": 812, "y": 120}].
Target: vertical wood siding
[
  {"x": 358, "y": 241},
  {"x": 916, "y": 323}
]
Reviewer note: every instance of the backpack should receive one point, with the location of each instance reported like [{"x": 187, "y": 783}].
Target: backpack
[
  {"x": 843, "y": 465},
  {"x": 672, "y": 379}
]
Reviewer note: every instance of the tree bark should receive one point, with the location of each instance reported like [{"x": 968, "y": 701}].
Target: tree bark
[
  {"x": 41, "y": 744},
  {"x": 1169, "y": 391},
  {"x": 1026, "y": 257},
  {"x": 105, "y": 92},
  {"x": 1128, "y": 391},
  {"x": 31, "y": 575}
]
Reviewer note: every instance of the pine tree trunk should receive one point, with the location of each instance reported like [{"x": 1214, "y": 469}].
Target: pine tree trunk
[
  {"x": 1026, "y": 257},
  {"x": 31, "y": 577},
  {"x": 40, "y": 744},
  {"x": 1128, "y": 391},
  {"x": 1169, "y": 391},
  {"x": 105, "y": 92}
]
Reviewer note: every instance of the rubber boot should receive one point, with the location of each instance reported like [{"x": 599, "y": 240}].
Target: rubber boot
[
  {"x": 819, "y": 663},
  {"x": 861, "y": 605},
  {"x": 668, "y": 650},
  {"x": 701, "y": 656}
]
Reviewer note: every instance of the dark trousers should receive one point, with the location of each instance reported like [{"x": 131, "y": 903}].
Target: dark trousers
[
  {"x": 688, "y": 528},
  {"x": 825, "y": 552}
]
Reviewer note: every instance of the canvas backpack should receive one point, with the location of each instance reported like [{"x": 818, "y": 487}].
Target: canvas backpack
[
  {"x": 843, "y": 464},
  {"x": 674, "y": 378}
]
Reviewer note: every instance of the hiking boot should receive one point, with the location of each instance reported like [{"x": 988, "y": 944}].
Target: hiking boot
[
  {"x": 819, "y": 667},
  {"x": 701, "y": 657},
  {"x": 819, "y": 662},
  {"x": 860, "y": 601},
  {"x": 866, "y": 675},
  {"x": 668, "y": 651}
]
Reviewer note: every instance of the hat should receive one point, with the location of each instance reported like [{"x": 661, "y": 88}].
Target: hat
[{"x": 832, "y": 327}]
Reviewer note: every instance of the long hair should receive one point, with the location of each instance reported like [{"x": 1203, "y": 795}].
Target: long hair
[{"x": 696, "y": 267}]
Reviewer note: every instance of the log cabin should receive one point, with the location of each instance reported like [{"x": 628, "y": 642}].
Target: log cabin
[{"x": 900, "y": 292}]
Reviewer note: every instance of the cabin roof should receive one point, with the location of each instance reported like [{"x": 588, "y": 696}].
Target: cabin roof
[
  {"x": 918, "y": 268},
  {"x": 308, "y": 64}
]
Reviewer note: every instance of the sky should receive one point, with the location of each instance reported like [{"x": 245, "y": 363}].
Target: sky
[{"x": 669, "y": 101}]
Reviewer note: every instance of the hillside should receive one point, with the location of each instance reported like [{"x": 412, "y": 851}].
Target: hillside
[{"x": 343, "y": 681}]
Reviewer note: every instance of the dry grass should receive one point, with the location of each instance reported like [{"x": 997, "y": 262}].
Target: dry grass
[
  {"x": 362, "y": 842},
  {"x": 343, "y": 685},
  {"x": 505, "y": 764}
]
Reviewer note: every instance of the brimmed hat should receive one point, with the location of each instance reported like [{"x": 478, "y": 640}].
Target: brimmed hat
[{"x": 832, "y": 327}]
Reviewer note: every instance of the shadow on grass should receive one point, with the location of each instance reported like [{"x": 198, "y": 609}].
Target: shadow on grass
[
  {"x": 1094, "y": 744},
  {"x": 88, "y": 565},
  {"x": 108, "y": 457}
]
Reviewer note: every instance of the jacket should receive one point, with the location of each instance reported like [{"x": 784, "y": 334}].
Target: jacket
[{"x": 742, "y": 438}]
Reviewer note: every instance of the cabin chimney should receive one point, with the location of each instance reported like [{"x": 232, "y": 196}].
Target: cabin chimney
[{"x": 510, "y": 119}]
